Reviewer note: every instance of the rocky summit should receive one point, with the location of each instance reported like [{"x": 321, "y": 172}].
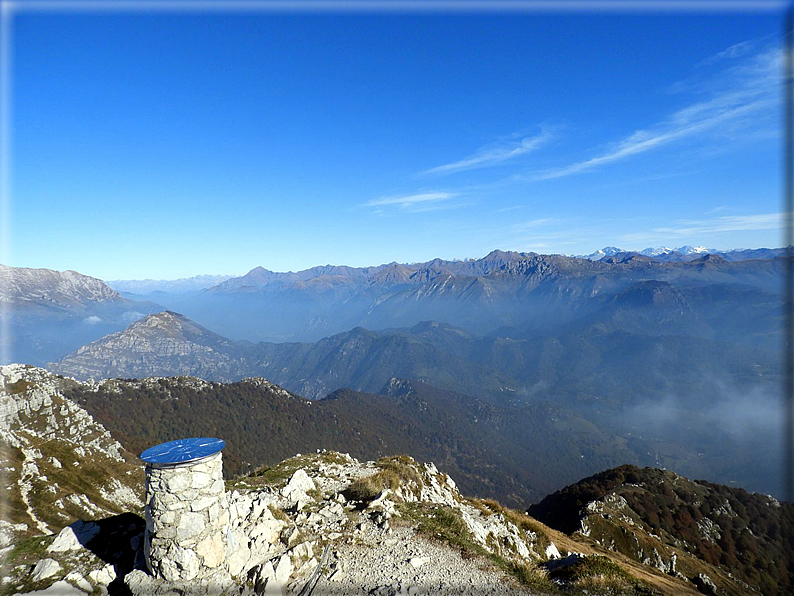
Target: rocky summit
[
  {"x": 165, "y": 340},
  {"x": 48, "y": 288}
]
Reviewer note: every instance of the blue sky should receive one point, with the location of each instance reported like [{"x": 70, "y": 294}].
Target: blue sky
[{"x": 167, "y": 145}]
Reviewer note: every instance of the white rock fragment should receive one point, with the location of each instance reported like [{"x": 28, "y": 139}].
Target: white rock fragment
[
  {"x": 283, "y": 570},
  {"x": 59, "y": 588},
  {"x": 300, "y": 481},
  {"x": 74, "y": 537},
  {"x": 303, "y": 551},
  {"x": 211, "y": 549},
  {"x": 191, "y": 524},
  {"x": 552, "y": 552},
  {"x": 44, "y": 569},
  {"x": 103, "y": 576},
  {"x": 80, "y": 581}
]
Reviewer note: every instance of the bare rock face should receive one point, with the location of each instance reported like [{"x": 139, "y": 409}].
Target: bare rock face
[{"x": 20, "y": 285}]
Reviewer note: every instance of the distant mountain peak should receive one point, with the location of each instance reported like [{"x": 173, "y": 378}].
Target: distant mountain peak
[
  {"x": 166, "y": 319},
  {"x": 653, "y": 252},
  {"x": 694, "y": 250},
  {"x": 497, "y": 254},
  {"x": 711, "y": 259},
  {"x": 607, "y": 251},
  {"x": 161, "y": 344},
  {"x": 183, "y": 285},
  {"x": 659, "y": 250}
]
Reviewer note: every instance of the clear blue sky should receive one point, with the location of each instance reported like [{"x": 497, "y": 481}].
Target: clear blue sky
[{"x": 169, "y": 145}]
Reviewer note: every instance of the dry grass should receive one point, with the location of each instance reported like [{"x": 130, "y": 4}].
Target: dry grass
[{"x": 393, "y": 473}]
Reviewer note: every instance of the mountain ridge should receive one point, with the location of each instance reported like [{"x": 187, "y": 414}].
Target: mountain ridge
[{"x": 744, "y": 533}]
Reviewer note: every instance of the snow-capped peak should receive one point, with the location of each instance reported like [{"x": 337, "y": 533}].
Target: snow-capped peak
[
  {"x": 607, "y": 251},
  {"x": 655, "y": 252},
  {"x": 694, "y": 250}
]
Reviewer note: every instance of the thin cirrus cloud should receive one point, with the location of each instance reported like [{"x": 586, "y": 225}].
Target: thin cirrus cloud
[
  {"x": 715, "y": 225},
  {"x": 413, "y": 202},
  {"x": 734, "y": 51},
  {"x": 490, "y": 156},
  {"x": 726, "y": 223},
  {"x": 743, "y": 93}
]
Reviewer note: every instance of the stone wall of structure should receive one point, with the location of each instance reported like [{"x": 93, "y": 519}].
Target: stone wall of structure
[{"x": 186, "y": 520}]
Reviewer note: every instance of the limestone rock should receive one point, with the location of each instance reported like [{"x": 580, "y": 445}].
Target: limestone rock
[
  {"x": 103, "y": 576},
  {"x": 303, "y": 551},
  {"x": 78, "y": 579},
  {"x": 300, "y": 481},
  {"x": 552, "y": 552},
  {"x": 59, "y": 588},
  {"x": 44, "y": 569},
  {"x": 74, "y": 537},
  {"x": 238, "y": 560},
  {"x": 283, "y": 570},
  {"x": 191, "y": 524},
  {"x": 704, "y": 584},
  {"x": 211, "y": 550}
]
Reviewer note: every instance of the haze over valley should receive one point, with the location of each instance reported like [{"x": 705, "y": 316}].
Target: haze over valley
[{"x": 655, "y": 360}]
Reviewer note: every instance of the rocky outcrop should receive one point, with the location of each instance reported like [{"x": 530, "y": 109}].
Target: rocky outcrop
[
  {"x": 59, "y": 464},
  {"x": 329, "y": 524},
  {"x": 281, "y": 532}
]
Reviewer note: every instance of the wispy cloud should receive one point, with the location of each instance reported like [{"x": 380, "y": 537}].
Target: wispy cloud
[
  {"x": 734, "y": 51},
  {"x": 739, "y": 94},
  {"x": 414, "y": 202},
  {"x": 492, "y": 155},
  {"x": 725, "y": 223},
  {"x": 651, "y": 178},
  {"x": 532, "y": 224},
  {"x": 715, "y": 225}
]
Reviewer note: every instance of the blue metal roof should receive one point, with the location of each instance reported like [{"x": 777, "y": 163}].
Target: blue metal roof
[{"x": 182, "y": 450}]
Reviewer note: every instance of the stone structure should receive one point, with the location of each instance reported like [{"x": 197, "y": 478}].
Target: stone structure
[{"x": 187, "y": 520}]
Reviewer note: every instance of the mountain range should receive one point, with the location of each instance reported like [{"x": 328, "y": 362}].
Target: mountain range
[
  {"x": 591, "y": 358},
  {"x": 482, "y": 296},
  {"x": 515, "y": 291},
  {"x": 677, "y": 359},
  {"x": 153, "y": 287},
  {"x": 688, "y": 253}
]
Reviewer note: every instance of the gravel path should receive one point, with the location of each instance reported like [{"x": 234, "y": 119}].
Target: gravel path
[{"x": 402, "y": 562}]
